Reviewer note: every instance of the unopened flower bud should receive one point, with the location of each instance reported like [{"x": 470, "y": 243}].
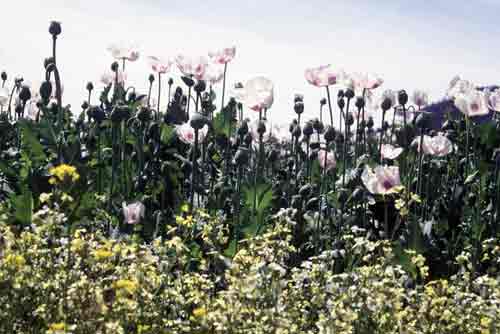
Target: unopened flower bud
[{"x": 55, "y": 28}]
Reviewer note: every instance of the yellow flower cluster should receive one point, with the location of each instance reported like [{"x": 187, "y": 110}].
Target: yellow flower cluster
[{"x": 63, "y": 173}]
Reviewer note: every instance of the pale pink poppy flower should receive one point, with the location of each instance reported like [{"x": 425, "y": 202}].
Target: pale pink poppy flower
[
  {"x": 391, "y": 95},
  {"x": 390, "y": 152},
  {"x": 420, "y": 98},
  {"x": 322, "y": 76},
  {"x": 133, "y": 212},
  {"x": 364, "y": 81},
  {"x": 193, "y": 67},
  {"x": 108, "y": 77},
  {"x": 326, "y": 160},
  {"x": 223, "y": 56},
  {"x": 259, "y": 93},
  {"x": 122, "y": 51},
  {"x": 186, "y": 133},
  {"x": 494, "y": 100},
  {"x": 459, "y": 87},
  {"x": 160, "y": 65},
  {"x": 214, "y": 73},
  {"x": 438, "y": 146},
  {"x": 473, "y": 103},
  {"x": 382, "y": 180},
  {"x": 31, "y": 110}
]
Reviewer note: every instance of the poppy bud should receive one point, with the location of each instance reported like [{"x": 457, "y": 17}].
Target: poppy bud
[
  {"x": 298, "y": 98},
  {"x": 340, "y": 94},
  {"x": 386, "y": 104},
  {"x": 370, "y": 123},
  {"x": 318, "y": 126},
  {"x": 308, "y": 129},
  {"x": 241, "y": 157},
  {"x": 90, "y": 86},
  {"x": 85, "y": 105},
  {"x": 297, "y": 202},
  {"x": 48, "y": 61},
  {"x": 305, "y": 190},
  {"x": 188, "y": 81},
  {"x": 248, "y": 139},
  {"x": 349, "y": 93},
  {"x": 115, "y": 66},
  {"x": 198, "y": 121},
  {"x": 341, "y": 103},
  {"x": 46, "y": 90},
  {"x": 298, "y": 107},
  {"x": 261, "y": 128},
  {"x": 25, "y": 94},
  {"x": 4, "y": 75},
  {"x": 18, "y": 80},
  {"x": 151, "y": 78},
  {"x": 357, "y": 195},
  {"x": 243, "y": 129},
  {"x": 350, "y": 119},
  {"x": 200, "y": 86},
  {"x": 322, "y": 101},
  {"x": 132, "y": 96},
  {"x": 170, "y": 81},
  {"x": 55, "y": 28},
  {"x": 360, "y": 103},
  {"x": 330, "y": 134},
  {"x": 402, "y": 97}
]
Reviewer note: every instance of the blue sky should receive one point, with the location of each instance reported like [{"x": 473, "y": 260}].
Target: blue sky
[{"x": 411, "y": 44}]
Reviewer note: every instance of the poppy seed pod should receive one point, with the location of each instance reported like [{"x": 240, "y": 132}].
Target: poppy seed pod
[
  {"x": 115, "y": 66},
  {"x": 318, "y": 126},
  {"x": 292, "y": 126},
  {"x": 360, "y": 103},
  {"x": 330, "y": 134},
  {"x": 350, "y": 119},
  {"x": 243, "y": 129},
  {"x": 198, "y": 121},
  {"x": 248, "y": 139},
  {"x": 340, "y": 94},
  {"x": 341, "y": 103},
  {"x": 85, "y": 105},
  {"x": 55, "y": 28},
  {"x": 25, "y": 94},
  {"x": 261, "y": 127},
  {"x": 4, "y": 75},
  {"x": 308, "y": 129},
  {"x": 200, "y": 86},
  {"x": 349, "y": 93},
  {"x": 188, "y": 81},
  {"x": 151, "y": 78},
  {"x": 298, "y": 107},
  {"x": 298, "y": 98},
  {"x": 18, "y": 80},
  {"x": 170, "y": 81},
  {"x": 322, "y": 102},
  {"x": 370, "y": 123},
  {"x": 46, "y": 90},
  {"x": 386, "y": 104},
  {"x": 402, "y": 97},
  {"x": 241, "y": 157}
]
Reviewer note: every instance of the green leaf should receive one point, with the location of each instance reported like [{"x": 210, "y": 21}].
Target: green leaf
[
  {"x": 23, "y": 207},
  {"x": 223, "y": 124},
  {"x": 167, "y": 133},
  {"x": 471, "y": 178},
  {"x": 31, "y": 143}
]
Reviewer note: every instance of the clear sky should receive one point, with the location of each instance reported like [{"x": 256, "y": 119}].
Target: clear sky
[{"x": 411, "y": 44}]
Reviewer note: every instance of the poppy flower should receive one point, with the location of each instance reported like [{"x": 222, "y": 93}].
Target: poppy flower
[
  {"x": 322, "y": 76},
  {"x": 326, "y": 160},
  {"x": 186, "y": 133},
  {"x": 259, "y": 93},
  {"x": 382, "y": 180},
  {"x": 420, "y": 98},
  {"x": 438, "y": 146},
  {"x": 160, "y": 65},
  {"x": 193, "y": 67},
  {"x": 123, "y": 51},
  {"x": 390, "y": 152},
  {"x": 133, "y": 212},
  {"x": 473, "y": 103},
  {"x": 223, "y": 56}
]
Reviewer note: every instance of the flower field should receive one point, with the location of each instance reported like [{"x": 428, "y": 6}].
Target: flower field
[{"x": 187, "y": 208}]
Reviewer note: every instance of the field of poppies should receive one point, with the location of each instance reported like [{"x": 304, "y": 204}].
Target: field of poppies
[{"x": 380, "y": 214}]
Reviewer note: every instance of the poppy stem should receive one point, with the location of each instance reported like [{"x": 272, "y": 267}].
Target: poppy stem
[
  {"x": 330, "y": 105},
  {"x": 159, "y": 97},
  {"x": 382, "y": 131},
  {"x": 193, "y": 172},
  {"x": 223, "y": 86}
]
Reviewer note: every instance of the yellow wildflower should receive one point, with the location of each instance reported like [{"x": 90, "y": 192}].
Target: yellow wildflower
[
  {"x": 102, "y": 254},
  {"x": 63, "y": 173},
  {"x": 127, "y": 285},
  {"x": 200, "y": 312}
]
